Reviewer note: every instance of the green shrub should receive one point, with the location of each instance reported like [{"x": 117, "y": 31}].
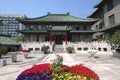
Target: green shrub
[
  {"x": 114, "y": 41},
  {"x": 45, "y": 49},
  {"x": 19, "y": 38},
  {"x": 3, "y": 50},
  {"x": 57, "y": 63},
  {"x": 69, "y": 49}
]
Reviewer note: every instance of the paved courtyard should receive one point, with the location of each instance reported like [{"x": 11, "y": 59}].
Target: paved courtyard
[{"x": 106, "y": 66}]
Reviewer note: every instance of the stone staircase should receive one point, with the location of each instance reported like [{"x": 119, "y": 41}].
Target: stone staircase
[{"x": 58, "y": 49}]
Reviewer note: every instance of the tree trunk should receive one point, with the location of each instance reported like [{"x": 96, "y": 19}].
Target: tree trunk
[{"x": 0, "y": 56}]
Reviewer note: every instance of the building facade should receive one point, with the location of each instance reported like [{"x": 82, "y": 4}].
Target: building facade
[
  {"x": 108, "y": 11},
  {"x": 101, "y": 24},
  {"x": 67, "y": 29},
  {"x": 10, "y": 24},
  {"x": 57, "y": 28}
]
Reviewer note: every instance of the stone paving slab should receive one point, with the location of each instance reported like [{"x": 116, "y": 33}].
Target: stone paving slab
[
  {"x": 106, "y": 71},
  {"x": 18, "y": 67},
  {"x": 107, "y": 67}
]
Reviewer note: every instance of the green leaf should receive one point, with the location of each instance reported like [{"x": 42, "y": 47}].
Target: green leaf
[{"x": 114, "y": 40}]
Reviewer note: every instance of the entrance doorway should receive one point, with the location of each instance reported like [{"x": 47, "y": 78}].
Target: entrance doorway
[{"x": 58, "y": 39}]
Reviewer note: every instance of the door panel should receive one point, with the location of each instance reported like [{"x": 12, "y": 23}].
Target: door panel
[{"x": 58, "y": 39}]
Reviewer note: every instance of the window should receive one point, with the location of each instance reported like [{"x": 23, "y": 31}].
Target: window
[
  {"x": 32, "y": 38},
  {"x": 37, "y": 49},
  {"x": 103, "y": 24},
  {"x": 79, "y": 48},
  {"x": 69, "y": 26},
  {"x": 77, "y": 28},
  {"x": 110, "y": 5},
  {"x": 100, "y": 26},
  {"x": 96, "y": 26},
  {"x": 31, "y": 49},
  {"x": 31, "y": 27},
  {"x": 99, "y": 49},
  {"x": 85, "y": 49},
  {"x": 84, "y": 27},
  {"x": 39, "y": 27},
  {"x": 104, "y": 49},
  {"x": 102, "y": 13},
  {"x": 111, "y": 20}
]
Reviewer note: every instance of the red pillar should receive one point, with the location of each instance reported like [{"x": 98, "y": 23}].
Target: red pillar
[
  {"x": 66, "y": 38},
  {"x": 50, "y": 38}
]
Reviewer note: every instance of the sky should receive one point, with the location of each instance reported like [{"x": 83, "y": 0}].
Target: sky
[{"x": 37, "y": 8}]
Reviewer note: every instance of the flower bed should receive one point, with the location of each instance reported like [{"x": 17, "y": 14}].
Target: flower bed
[
  {"x": 25, "y": 50},
  {"x": 57, "y": 71}
]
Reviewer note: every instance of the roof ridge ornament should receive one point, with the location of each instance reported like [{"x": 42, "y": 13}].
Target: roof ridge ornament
[
  {"x": 68, "y": 13},
  {"x": 48, "y": 13}
]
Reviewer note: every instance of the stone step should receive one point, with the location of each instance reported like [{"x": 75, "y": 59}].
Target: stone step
[{"x": 59, "y": 49}]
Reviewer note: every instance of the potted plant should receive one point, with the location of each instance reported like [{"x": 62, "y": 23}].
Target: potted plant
[
  {"x": 3, "y": 51},
  {"x": 45, "y": 49},
  {"x": 114, "y": 41},
  {"x": 69, "y": 49}
]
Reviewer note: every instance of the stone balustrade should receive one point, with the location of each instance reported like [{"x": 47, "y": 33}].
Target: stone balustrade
[
  {"x": 78, "y": 46},
  {"x": 84, "y": 46},
  {"x": 35, "y": 46}
]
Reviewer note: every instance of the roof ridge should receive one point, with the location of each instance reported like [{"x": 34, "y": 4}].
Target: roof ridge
[
  {"x": 83, "y": 18},
  {"x": 37, "y": 17},
  {"x": 62, "y": 17},
  {"x": 59, "y": 14},
  {"x": 47, "y": 15}
]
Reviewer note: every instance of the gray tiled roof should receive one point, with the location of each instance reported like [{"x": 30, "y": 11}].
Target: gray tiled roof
[
  {"x": 7, "y": 41},
  {"x": 58, "y": 18}
]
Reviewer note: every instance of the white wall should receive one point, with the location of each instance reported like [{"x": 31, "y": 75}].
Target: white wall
[
  {"x": 27, "y": 45},
  {"x": 90, "y": 45}
]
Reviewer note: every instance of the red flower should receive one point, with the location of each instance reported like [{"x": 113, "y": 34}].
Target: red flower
[
  {"x": 25, "y": 50},
  {"x": 65, "y": 68},
  {"x": 77, "y": 69},
  {"x": 84, "y": 71},
  {"x": 38, "y": 69}
]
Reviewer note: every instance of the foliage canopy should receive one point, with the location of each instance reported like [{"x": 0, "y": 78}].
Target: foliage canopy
[{"x": 114, "y": 40}]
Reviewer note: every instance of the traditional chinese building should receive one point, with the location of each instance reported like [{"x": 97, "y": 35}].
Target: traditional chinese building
[
  {"x": 5, "y": 40},
  {"x": 61, "y": 28},
  {"x": 57, "y": 28}
]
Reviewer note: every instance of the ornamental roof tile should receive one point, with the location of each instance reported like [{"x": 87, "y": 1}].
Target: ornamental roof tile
[
  {"x": 57, "y": 18},
  {"x": 7, "y": 41}
]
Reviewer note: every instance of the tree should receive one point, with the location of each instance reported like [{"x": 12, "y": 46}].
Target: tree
[
  {"x": 114, "y": 41},
  {"x": 3, "y": 50},
  {"x": 19, "y": 38}
]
